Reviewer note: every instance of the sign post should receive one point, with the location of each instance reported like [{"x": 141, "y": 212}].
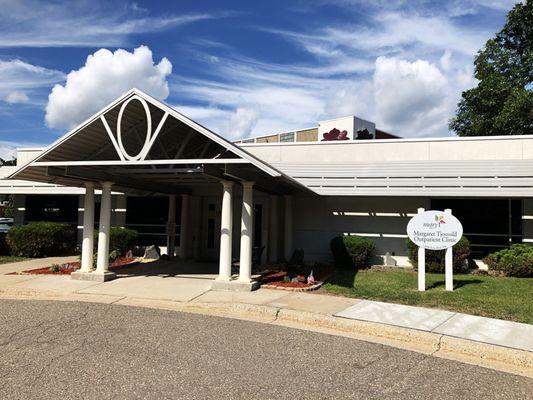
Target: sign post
[
  {"x": 434, "y": 230},
  {"x": 448, "y": 262},
  {"x": 421, "y": 264}
]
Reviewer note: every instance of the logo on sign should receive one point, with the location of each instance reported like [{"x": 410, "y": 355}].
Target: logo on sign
[
  {"x": 434, "y": 230},
  {"x": 439, "y": 220}
]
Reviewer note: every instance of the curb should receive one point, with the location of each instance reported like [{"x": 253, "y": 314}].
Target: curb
[
  {"x": 500, "y": 358},
  {"x": 433, "y": 344}
]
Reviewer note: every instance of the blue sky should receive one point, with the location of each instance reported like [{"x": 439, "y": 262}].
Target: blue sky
[{"x": 240, "y": 67}]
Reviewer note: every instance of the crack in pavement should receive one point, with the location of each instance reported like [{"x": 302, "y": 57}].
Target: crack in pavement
[
  {"x": 278, "y": 310},
  {"x": 438, "y": 346},
  {"x": 425, "y": 358}
]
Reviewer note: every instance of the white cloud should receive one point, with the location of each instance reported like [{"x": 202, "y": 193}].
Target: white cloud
[
  {"x": 16, "y": 97},
  {"x": 448, "y": 8},
  {"x": 284, "y": 96},
  {"x": 459, "y": 8},
  {"x": 446, "y": 60},
  {"x": 390, "y": 32},
  {"x": 242, "y": 122},
  {"x": 7, "y": 150},
  {"x": 280, "y": 107},
  {"x": 213, "y": 118},
  {"x": 202, "y": 113},
  {"x": 351, "y": 98},
  {"x": 410, "y": 96},
  {"x": 32, "y": 23},
  {"x": 17, "y": 77},
  {"x": 105, "y": 76},
  {"x": 404, "y": 65}
]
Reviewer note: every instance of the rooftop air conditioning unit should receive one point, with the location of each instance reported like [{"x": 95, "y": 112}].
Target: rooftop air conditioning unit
[{"x": 346, "y": 128}]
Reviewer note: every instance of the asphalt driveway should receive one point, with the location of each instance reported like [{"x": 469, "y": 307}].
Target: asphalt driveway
[{"x": 94, "y": 351}]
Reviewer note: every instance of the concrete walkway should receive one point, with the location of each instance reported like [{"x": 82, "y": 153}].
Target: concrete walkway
[
  {"x": 486, "y": 330},
  {"x": 389, "y": 323}
]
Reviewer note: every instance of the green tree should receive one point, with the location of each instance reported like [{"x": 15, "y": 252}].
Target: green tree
[{"x": 502, "y": 102}]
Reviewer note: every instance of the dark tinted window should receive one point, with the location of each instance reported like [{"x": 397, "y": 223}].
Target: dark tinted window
[
  {"x": 52, "y": 208},
  {"x": 258, "y": 225},
  {"x": 148, "y": 215},
  {"x": 489, "y": 224}
]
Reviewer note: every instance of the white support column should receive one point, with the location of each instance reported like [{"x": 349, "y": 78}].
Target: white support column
[
  {"x": 273, "y": 229},
  {"x": 421, "y": 264},
  {"x": 171, "y": 226},
  {"x": 247, "y": 222},
  {"x": 448, "y": 263},
  {"x": 288, "y": 227},
  {"x": 87, "y": 246},
  {"x": 226, "y": 226},
  {"x": 102, "y": 260},
  {"x": 184, "y": 226}
]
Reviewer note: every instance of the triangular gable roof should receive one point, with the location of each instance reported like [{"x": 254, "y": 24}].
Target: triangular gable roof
[{"x": 240, "y": 155}]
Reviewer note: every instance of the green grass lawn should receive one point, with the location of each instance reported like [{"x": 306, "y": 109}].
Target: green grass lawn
[
  {"x": 11, "y": 259},
  {"x": 504, "y": 298}
]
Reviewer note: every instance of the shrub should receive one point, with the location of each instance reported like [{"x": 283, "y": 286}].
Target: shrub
[
  {"x": 120, "y": 239},
  {"x": 55, "y": 268},
  {"x": 41, "y": 239},
  {"x": 340, "y": 254},
  {"x": 350, "y": 251},
  {"x": 514, "y": 261},
  {"x": 114, "y": 255},
  {"x": 4, "y": 248},
  {"x": 435, "y": 258}
]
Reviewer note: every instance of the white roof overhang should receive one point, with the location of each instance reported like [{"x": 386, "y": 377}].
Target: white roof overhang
[
  {"x": 465, "y": 178},
  {"x": 143, "y": 145}
]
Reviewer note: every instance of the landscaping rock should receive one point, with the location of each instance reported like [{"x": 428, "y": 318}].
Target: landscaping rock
[
  {"x": 389, "y": 260},
  {"x": 151, "y": 253}
]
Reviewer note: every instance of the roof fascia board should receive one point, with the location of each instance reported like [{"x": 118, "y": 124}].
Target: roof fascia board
[{"x": 144, "y": 162}]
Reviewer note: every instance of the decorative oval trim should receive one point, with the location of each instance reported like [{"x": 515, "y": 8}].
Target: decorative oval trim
[{"x": 146, "y": 146}]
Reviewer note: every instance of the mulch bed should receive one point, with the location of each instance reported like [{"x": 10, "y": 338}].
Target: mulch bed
[
  {"x": 68, "y": 268},
  {"x": 273, "y": 276},
  {"x": 298, "y": 278},
  {"x": 293, "y": 286}
]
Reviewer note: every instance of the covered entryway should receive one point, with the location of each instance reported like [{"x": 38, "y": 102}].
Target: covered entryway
[{"x": 140, "y": 146}]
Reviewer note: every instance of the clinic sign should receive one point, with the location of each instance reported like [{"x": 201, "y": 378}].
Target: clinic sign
[{"x": 434, "y": 230}]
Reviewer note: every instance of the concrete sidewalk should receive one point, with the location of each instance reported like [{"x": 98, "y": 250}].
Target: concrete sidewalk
[
  {"x": 419, "y": 329},
  {"x": 486, "y": 330}
]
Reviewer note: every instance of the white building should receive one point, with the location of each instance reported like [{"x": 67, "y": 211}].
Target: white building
[{"x": 278, "y": 192}]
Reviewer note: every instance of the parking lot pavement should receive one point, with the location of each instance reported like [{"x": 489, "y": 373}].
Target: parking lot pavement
[{"x": 73, "y": 350}]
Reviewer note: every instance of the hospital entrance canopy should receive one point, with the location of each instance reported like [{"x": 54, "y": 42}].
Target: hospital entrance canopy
[{"x": 144, "y": 146}]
